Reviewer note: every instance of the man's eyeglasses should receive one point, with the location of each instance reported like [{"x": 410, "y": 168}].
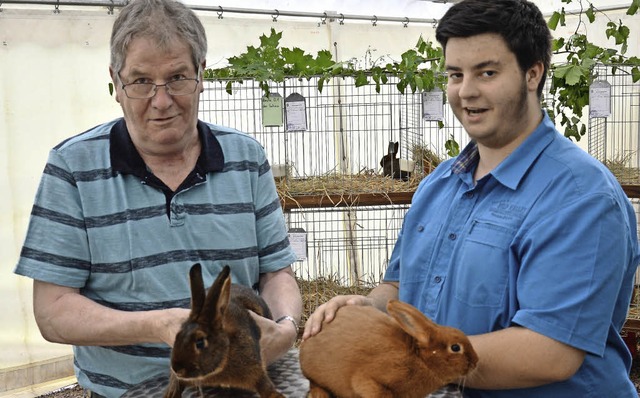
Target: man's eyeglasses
[{"x": 148, "y": 90}]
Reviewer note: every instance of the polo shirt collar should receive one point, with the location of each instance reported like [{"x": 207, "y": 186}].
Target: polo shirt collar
[
  {"x": 512, "y": 169},
  {"x": 125, "y": 158}
]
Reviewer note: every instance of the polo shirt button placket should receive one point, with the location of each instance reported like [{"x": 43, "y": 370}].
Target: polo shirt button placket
[{"x": 177, "y": 214}]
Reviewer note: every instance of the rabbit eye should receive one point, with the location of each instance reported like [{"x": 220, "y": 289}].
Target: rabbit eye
[
  {"x": 200, "y": 343},
  {"x": 455, "y": 348}
]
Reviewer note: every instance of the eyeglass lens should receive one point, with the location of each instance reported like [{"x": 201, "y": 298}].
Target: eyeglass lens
[{"x": 148, "y": 90}]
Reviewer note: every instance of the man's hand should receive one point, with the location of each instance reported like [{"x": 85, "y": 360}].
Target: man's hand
[
  {"x": 327, "y": 311},
  {"x": 378, "y": 297}
]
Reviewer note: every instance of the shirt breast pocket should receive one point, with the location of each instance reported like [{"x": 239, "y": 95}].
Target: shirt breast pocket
[{"x": 482, "y": 274}]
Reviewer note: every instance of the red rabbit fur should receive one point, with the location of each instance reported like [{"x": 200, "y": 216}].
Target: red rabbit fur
[
  {"x": 364, "y": 352},
  {"x": 219, "y": 344}
]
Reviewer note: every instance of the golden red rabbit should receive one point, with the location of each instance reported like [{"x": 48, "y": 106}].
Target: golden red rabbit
[
  {"x": 364, "y": 352},
  {"x": 219, "y": 344}
]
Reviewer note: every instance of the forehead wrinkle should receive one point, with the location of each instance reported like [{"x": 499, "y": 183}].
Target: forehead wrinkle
[{"x": 141, "y": 71}]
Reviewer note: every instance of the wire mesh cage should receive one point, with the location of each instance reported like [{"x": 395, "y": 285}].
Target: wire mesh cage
[
  {"x": 348, "y": 128},
  {"x": 614, "y": 139},
  {"x": 346, "y": 249}
]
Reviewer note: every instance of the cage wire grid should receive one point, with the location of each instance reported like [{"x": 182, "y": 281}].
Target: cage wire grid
[
  {"x": 348, "y": 128},
  {"x": 348, "y": 131},
  {"x": 615, "y": 140}
]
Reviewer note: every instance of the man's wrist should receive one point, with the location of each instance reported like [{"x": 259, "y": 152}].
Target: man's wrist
[{"x": 290, "y": 319}]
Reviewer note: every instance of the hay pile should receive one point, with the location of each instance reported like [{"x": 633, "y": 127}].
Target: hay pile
[
  {"x": 367, "y": 181},
  {"x": 428, "y": 158},
  {"x": 345, "y": 184},
  {"x": 624, "y": 174},
  {"x": 319, "y": 291}
]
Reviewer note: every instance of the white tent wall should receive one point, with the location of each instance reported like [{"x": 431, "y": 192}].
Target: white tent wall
[{"x": 54, "y": 84}]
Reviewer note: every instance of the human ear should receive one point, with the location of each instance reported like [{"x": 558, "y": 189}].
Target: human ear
[
  {"x": 116, "y": 83},
  {"x": 203, "y": 66},
  {"x": 533, "y": 76}
]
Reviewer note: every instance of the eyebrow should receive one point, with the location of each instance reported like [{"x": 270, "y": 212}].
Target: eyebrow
[
  {"x": 135, "y": 72},
  {"x": 477, "y": 66}
]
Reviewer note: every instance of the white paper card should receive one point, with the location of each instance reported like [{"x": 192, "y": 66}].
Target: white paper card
[
  {"x": 298, "y": 240},
  {"x": 295, "y": 112},
  {"x": 600, "y": 99},
  {"x": 433, "y": 105}
]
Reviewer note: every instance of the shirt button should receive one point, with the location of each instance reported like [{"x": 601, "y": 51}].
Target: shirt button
[
  {"x": 468, "y": 195},
  {"x": 453, "y": 236},
  {"x": 437, "y": 279},
  {"x": 420, "y": 228}
]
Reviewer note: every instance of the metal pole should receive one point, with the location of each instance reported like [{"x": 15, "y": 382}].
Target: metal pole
[{"x": 275, "y": 14}]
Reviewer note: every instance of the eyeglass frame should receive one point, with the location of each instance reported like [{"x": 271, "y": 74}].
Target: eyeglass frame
[{"x": 155, "y": 86}]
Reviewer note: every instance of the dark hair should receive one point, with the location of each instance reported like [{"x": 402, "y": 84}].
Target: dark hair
[
  {"x": 519, "y": 22},
  {"x": 160, "y": 20}
]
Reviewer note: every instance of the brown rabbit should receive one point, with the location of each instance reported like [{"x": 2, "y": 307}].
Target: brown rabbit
[
  {"x": 219, "y": 344},
  {"x": 364, "y": 352}
]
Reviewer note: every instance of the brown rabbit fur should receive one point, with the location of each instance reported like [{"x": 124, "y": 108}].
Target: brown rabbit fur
[
  {"x": 365, "y": 353},
  {"x": 219, "y": 344}
]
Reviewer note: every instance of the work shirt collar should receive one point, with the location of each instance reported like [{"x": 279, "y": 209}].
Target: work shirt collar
[{"x": 513, "y": 168}]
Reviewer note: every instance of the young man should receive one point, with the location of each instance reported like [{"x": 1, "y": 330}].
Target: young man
[
  {"x": 523, "y": 241},
  {"x": 125, "y": 209}
]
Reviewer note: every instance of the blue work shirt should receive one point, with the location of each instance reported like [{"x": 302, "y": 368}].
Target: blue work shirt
[{"x": 546, "y": 241}]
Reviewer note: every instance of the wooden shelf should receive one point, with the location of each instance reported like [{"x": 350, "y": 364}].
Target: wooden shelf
[
  {"x": 632, "y": 191},
  {"x": 376, "y": 199},
  {"x": 363, "y": 199}
]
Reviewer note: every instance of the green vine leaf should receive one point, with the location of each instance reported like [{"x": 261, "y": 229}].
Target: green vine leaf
[
  {"x": 556, "y": 17},
  {"x": 591, "y": 15},
  {"x": 452, "y": 147},
  {"x": 635, "y": 74}
]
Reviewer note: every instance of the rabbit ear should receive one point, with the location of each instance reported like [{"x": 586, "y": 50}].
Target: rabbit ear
[
  {"x": 395, "y": 147},
  {"x": 391, "y": 149},
  {"x": 411, "y": 320},
  {"x": 197, "y": 289},
  {"x": 218, "y": 297}
]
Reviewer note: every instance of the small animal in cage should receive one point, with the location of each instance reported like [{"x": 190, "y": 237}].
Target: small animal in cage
[
  {"x": 391, "y": 165},
  {"x": 218, "y": 345},
  {"x": 364, "y": 352}
]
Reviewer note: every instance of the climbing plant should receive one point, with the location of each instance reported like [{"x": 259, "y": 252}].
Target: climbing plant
[
  {"x": 418, "y": 70},
  {"x": 573, "y": 74},
  {"x": 421, "y": 68}
]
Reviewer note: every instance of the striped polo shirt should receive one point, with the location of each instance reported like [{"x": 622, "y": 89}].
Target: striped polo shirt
[{"x": 102, "y": 223}]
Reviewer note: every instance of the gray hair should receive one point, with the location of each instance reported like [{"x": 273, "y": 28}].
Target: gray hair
[{"x": 161, "y": 20}]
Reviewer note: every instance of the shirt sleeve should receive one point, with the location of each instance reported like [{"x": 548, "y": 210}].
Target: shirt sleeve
[
  {"x": 274, "y": 249},
  {"x": 56, "y": 248}
]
